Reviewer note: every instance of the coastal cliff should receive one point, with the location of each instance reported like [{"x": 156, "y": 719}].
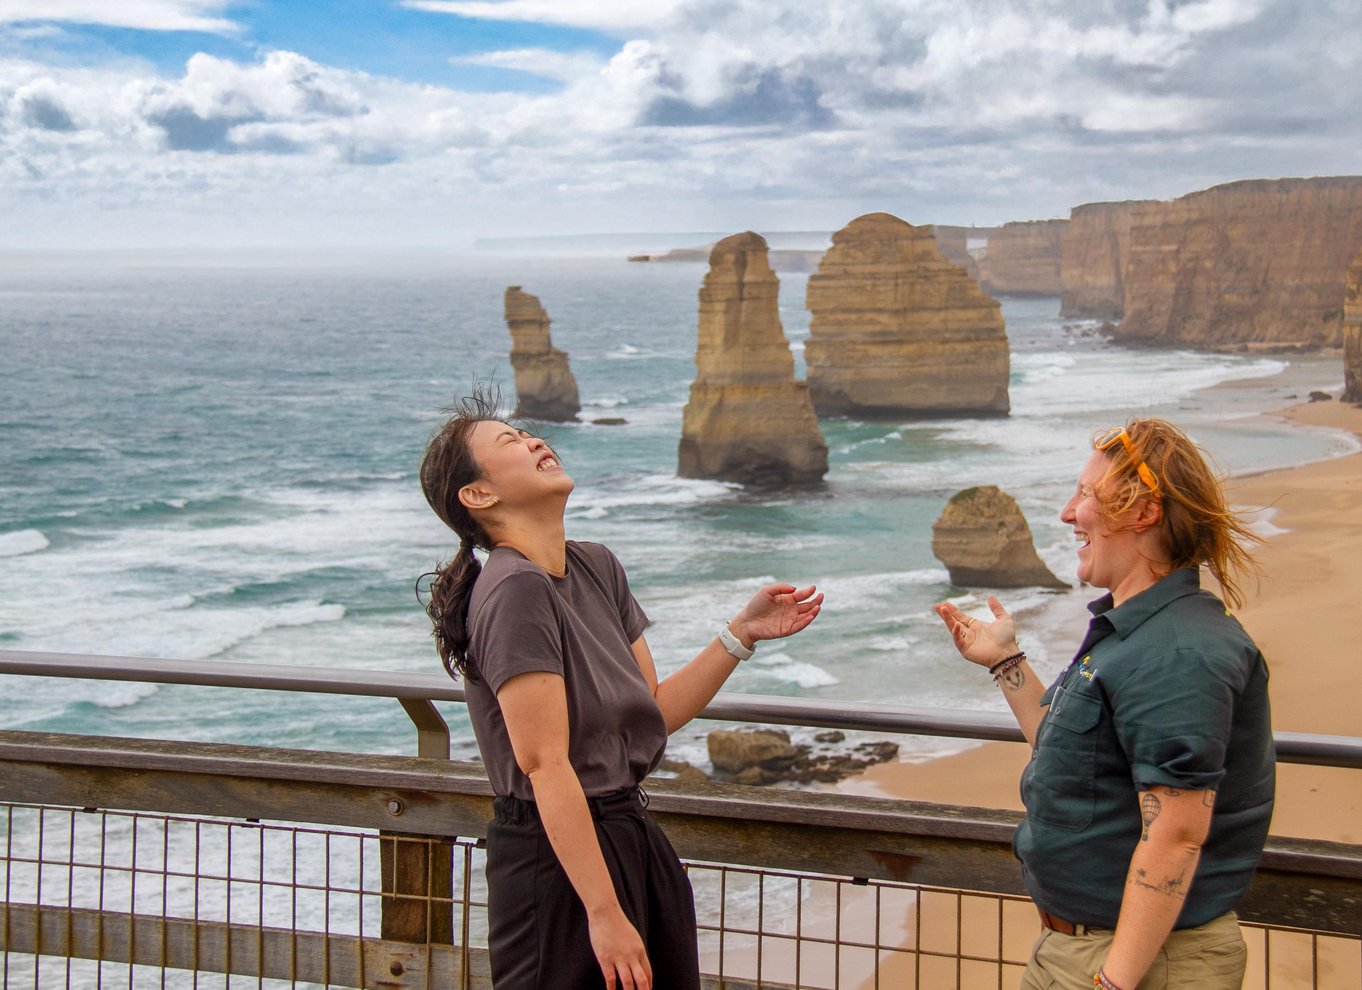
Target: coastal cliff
[
  {"x": 545, "y": 388},
  {"x": 1022, "y": 259},
  {"x": 984, "y": 541},
  {"x": 897, "y": 330},
  {"x": 747, "y": 419},
  {"x": 1093, "y": 252},
  {"x": 1352, "y": 333},
  {"x": 1261, "y": 261}
]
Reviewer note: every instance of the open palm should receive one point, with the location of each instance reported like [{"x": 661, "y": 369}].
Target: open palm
[{"x": 779, "y": 610}]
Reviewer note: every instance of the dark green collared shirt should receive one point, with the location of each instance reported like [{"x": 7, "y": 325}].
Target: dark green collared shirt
[{"x": 1168, "y": 690}]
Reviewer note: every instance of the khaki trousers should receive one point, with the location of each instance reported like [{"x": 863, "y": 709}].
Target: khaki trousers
[{"x": 1211, "y": 957}]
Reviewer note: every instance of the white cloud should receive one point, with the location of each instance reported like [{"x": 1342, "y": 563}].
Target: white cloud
[
  {"x": 603, "y": 15},
  {"x": 147, "y": 15},
  {"x": 546, "y": 62},
  {"x": 741, "y": 112}
]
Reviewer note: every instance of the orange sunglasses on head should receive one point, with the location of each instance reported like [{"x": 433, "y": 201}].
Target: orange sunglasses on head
[{"x": 1110, "y": 438}]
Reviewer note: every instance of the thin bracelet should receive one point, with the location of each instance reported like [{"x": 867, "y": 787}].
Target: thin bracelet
[
  {"x": 1102, "y": 982},
  {"x": 1007, "y": 669},
  {"x": 1018, "y": 656}
]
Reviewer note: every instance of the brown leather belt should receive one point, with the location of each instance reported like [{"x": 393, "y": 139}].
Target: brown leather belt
[{"x": 1064, "y": 927}]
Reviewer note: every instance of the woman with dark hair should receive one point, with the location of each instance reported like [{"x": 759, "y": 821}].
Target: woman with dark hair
[
  {"x": 583, "y": 888},
  {"x": 1150, "y": 788}
]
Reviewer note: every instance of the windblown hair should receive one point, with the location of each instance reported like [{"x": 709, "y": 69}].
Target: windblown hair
[
  {"x": 1199, "y": 528},
  {"x": 447, "y": 466}
]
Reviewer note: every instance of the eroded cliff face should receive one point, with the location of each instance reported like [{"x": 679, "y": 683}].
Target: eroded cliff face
[
  {"x": 1352, "y": 333},
  {"x": 1093, "y": 252},
  {"x": 1022, "y": 259},
  {"x": 897, "y": 330},
  {"x": 747, "y": 419},
  {"x": 984, "y": 541},
  {"x": 545, "y": 388},
  {"x": 1262, "y": 261}
]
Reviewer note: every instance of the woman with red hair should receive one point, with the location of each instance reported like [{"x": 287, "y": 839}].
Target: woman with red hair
[{"x": 1150, "y": 788}]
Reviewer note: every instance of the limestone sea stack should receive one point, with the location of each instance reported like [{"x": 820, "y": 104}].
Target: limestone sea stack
[
  {"x": 545, "y": 388},
  {"x": 1352, "y": 334},
  {"x": 984, "y": 541},
  {"x": 1092, "y": 260},
  {"x": 953, "y": 243},
  {"x": 747, "y": 419},
  {"x": 897, "y": 330},
  {"x": 1022, "y": 259}
]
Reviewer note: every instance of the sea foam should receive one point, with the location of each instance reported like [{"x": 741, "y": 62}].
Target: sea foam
[{"x": 22, "y": 541}]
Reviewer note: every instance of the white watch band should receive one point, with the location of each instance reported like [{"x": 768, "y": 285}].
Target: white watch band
[{"x": 733, "y": 644}]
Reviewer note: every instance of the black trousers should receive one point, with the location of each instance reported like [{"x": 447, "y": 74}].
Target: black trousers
[{"x": 537, "y": 927}]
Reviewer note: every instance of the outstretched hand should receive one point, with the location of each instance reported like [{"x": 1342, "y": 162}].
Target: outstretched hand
[
  {"x": 776, "y": 611},
  {"x": 984, "y": 643}
]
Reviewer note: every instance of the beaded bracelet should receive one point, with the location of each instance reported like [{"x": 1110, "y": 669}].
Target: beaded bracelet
[
  {"x": 1099, "y": 980},
  {"x": 1006, "y": 664}
]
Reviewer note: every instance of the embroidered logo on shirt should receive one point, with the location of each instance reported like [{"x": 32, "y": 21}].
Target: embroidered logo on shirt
[{"x": 1085, "y": 669}]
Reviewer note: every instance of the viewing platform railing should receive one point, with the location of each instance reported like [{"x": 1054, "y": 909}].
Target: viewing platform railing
[{"x": 145, "y": 862}]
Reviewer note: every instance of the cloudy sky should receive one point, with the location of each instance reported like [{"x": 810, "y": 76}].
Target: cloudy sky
[{"x": 433, "y": 122}]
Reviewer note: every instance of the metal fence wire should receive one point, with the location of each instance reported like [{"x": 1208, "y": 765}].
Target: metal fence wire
[{"x": 94, "y": 898}]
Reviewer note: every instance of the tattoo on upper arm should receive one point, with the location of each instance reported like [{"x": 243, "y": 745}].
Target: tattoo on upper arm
[
  {"x": 1208, "y": 798},
  {"x": 1150, "y": 806},
  {"x": 1014, "y": 679}
]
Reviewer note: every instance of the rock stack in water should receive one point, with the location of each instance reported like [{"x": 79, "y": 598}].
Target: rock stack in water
[
  {"x": 1022, "y": 259},
  {"x": 984, "y": 541},
  {"x": 545, "y": 388},
  {"x": 1092, "y": 259},
  {"x": 747, "y": 419},
  {"x": 897, "y": 330},
  {"x": 1352, "y": 334}
]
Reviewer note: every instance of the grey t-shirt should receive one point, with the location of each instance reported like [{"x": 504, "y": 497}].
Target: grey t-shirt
[{"x": 522, "y": 619}]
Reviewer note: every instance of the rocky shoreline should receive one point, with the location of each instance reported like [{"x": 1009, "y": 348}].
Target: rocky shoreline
[{"x": 767, "y": 756}]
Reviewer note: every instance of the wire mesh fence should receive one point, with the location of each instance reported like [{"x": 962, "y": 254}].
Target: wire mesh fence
[{"x": 96, "y": 898}]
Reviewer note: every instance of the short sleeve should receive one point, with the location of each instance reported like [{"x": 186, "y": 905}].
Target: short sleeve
[
  {"x": 517, "y": 630},
  {"x": 1174, "y": 719},
  {"x": 632, "y": 617}
]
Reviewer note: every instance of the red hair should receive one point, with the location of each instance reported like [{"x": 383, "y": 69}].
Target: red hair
[{"x": 1197, "y": 525}]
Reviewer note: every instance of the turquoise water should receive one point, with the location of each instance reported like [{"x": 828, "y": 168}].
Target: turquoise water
[{"x": 216, "y": 458}]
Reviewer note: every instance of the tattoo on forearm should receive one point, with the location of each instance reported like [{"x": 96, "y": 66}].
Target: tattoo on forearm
[
  {"x": 1150, "y": 806},
  {"x": 1168, "y": 886},
  {"x": 1014, "y": 679}
]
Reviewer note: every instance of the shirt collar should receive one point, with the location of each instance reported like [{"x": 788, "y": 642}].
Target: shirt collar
[{"x": 1131, "y": 614}]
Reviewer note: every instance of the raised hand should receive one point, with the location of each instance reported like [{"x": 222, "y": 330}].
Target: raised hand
[
  {"x": 776, "y": 611},
  {"x": 984, "y": 643}
]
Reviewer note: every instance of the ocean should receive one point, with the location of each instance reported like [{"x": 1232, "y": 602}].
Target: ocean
[{"x": 215, "y": 457}]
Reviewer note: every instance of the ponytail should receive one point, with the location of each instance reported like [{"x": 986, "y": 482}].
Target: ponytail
[
  {"x": 446, "y": 467},
  {"x": 450, "y": 588}
]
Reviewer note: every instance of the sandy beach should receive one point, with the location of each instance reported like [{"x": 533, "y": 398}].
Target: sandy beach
[{"x": 1299, "y": 614}]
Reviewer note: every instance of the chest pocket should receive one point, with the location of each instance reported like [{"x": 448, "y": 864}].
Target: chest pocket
[{"x": 1063, "y": 779}]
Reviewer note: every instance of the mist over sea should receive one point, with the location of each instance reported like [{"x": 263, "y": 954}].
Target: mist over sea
[{"x": 216, "y": 458}]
